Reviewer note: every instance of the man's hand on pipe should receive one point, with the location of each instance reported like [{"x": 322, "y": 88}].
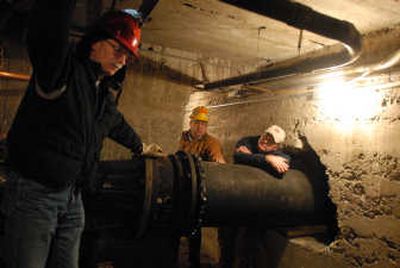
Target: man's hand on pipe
[{"x": 279, "y": 163}]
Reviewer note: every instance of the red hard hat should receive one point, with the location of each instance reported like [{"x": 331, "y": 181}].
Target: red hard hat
[{"x": 123, "y": 26}]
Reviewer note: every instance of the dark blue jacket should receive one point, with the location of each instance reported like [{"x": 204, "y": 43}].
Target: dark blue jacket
[
  {"x": 257, "y": 158},
  {"x": 56, "y": 141}
]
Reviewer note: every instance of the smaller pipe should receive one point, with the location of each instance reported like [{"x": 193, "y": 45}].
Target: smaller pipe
[
  {"x": 307, "y": 65},
  {"x": 299, "y": 93},
  {"x": 383, "y": 65},
  {"x": 15, "y": 76},
  {"x": 301, "y": 17}
]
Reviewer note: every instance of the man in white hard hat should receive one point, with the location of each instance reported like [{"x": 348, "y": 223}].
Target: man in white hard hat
[{"x": 264, "y": 151}]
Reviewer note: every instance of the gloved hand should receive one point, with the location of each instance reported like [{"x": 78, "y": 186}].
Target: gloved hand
[{"x": 153, "y": 150}]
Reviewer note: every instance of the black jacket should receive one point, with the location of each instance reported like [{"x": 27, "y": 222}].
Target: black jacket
[
  {"x": 257, "y": 158},
  {"x": 65, "y": 114}
]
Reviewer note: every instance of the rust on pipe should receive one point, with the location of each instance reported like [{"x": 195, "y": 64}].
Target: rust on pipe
[{"x": 15, "y": 76}]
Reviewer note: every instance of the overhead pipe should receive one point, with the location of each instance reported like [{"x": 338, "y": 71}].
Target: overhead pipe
[
  {"x": 358, "y": 73},
  {"x": 304, "y": 18},
  {"x": 388, "y": 63},
  {"x": 391, "y": 61}
]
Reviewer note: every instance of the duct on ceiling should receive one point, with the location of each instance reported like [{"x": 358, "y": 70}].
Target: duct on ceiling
[{"x": 301, "y": 17}]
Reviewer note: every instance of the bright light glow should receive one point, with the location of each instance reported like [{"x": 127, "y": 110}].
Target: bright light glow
[{"x": 348, "y": 104}]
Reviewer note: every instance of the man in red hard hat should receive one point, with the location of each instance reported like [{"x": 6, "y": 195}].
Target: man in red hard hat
[{"x": 57, "y": 133}]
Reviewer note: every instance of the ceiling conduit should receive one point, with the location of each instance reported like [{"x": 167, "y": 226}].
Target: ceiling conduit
[{"x": 304, "y": 18}]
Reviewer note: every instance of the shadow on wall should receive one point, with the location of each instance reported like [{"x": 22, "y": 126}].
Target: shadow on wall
[{"x": 308, "y": 161}]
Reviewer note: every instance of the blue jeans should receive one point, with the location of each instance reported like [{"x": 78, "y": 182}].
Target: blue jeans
[{"x": 43, "y": 226}]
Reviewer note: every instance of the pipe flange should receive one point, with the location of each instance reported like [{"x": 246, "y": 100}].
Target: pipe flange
[
  {"x": 202, "y": 200},
  {"x": 188, "y": 193}
]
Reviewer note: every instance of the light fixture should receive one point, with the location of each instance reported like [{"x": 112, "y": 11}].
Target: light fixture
[{"x": 346, "y": 103}]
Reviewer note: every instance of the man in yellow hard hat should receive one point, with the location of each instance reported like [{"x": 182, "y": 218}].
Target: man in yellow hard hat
[{"x": 198, "y": 142}]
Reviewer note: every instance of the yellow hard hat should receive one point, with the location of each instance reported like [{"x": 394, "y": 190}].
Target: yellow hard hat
[{"x": 199, "y": 113}]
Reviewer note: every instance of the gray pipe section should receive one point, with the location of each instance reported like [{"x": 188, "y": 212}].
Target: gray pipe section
[{"x": 301, "y": 17}]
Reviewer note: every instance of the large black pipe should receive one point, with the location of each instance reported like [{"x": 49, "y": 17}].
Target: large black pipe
[
  {"x": 243, "y": 195},
  {"x": 182, "y": 193}
]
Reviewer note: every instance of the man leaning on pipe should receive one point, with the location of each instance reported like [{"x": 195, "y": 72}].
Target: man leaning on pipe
[
  {"x": 264, "y": 152},
  {"x": 55, "y": 138}
]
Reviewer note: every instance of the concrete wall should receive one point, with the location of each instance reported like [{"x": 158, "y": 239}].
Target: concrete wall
[
  {"x": 355, "y": 133},
  {"x": 158, "y": 94},
  {"x": 154, "y": 106},
  {"x": 361, "y": 158}
]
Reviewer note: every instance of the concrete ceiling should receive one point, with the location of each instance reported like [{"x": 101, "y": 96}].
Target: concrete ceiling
[{"x": 217, "y": 29}]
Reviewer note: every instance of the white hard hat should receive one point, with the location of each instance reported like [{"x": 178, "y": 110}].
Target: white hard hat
[{"x": 277, "y": 133}]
